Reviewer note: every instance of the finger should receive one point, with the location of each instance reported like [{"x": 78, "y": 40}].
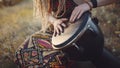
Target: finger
[
  {"x": 80, "y": 14},
  {"x": 60, "y": 29},
  {"x": 54, "y": 34},
  {"x": 64, "y": 25},
  {"x": 57, "y": 31},
  {"x": 73, "y": 14}
]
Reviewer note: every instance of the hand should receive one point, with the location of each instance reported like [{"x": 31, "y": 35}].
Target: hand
[
  {"x": 78, "y": 11},
  {"x": 59, "y": 24}
]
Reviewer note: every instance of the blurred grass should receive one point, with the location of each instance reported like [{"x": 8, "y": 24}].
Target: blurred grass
[
  {"x": 109, "y": 21},
  {"x": 16, "y": 24}
]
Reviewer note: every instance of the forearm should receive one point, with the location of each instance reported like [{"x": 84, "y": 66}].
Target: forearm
[
  {"x": 100, "y": 2},
  {"x": 105, "y": 2}
]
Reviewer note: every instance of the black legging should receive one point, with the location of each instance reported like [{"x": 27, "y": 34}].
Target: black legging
[{"x": 106, "y": 60}]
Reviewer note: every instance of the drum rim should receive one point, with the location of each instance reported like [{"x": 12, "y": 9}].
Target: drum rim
[{"x": 64, "y": 44}]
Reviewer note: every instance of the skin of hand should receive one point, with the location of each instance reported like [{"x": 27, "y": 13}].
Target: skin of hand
[
  {"x": 79, "y": 10},
  {"x": 59, "y": 25}
]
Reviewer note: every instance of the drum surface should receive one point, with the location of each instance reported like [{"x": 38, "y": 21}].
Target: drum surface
[{"x": 72, "y": 32}]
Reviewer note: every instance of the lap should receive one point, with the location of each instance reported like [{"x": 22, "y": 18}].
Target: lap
[{"x": 37, "y": 51}]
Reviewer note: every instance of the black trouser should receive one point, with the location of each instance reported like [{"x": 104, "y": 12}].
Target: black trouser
[
  {"x": 106, "y": 60},
  {"x": 90, "y": 48}
]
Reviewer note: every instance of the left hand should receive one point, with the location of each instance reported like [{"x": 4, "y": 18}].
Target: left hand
[
  {"x": 78, "y": 11},
  {"x": 59, "y": 25}
]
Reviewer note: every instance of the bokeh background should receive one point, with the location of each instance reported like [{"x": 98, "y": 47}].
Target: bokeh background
[{"x": 17, "y": 23}]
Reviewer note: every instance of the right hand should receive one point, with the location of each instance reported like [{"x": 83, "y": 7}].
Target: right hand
[
  {"x": 78, "y": 11},
  {"x": 59, "y": 25}
]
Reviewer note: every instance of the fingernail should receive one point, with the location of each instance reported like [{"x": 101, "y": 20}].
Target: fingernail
[{"x": 59, "y": 34}]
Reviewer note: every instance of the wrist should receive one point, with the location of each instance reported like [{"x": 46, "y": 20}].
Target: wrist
[
  {"x": 89, "y": 4},
  {"x": 94, "y": 3},
  {"x": 52, "y": 19}
]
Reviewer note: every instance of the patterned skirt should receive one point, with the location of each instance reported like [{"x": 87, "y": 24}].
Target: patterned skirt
[{"x": 37, "y": 52}]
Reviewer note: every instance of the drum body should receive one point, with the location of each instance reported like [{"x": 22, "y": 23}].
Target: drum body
[
  {"x": 85, "y": 40},
  {"x": 88, "y": 47}
]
